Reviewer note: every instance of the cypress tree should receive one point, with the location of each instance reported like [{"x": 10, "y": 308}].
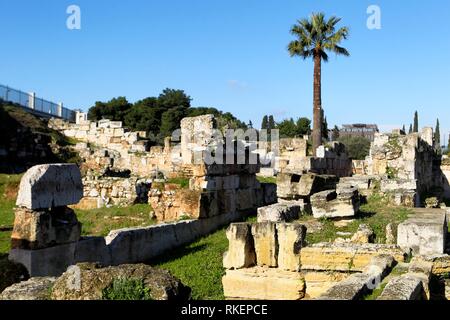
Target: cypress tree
[
  {"x": 416, "y": 122},
  {"x": 264, "y": 123},
  {"x": 437, "y": 137},
  {"x": 271, "y": 123},
  {"x": 410, "y": 129}
]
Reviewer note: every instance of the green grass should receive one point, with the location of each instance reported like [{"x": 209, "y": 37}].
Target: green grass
[
  {"x": 267, "y": 179},
  {"x": 8, "y": 192},
  {"x": 99, "y": 222},
  {"x": 182, "y": 182},
  {"x": 199, "y": 265},
  {"x": 376, "y": 213}
]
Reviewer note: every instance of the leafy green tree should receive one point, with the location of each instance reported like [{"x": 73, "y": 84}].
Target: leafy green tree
[
  {"x": 315, "y": 37},
  {"x": 145, "y": 115},
  {"x": 303, "y": 126},
  {"x": 403, "y": 128},
  {"x": 171, "y": 98},
  {"x": 170, "y": 121},
  {"x": 357, "y": 147},
  {"x": 410, "y": 129},
  {"x": 115, "y": 110},
  {"x": 287, "y": 128},
  {"x": 416, "y": 122}
]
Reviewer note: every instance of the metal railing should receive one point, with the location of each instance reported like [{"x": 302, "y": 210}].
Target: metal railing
[{"x": 37, "y": 105}]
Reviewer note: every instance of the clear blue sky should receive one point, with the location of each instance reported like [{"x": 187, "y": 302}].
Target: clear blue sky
[{"x": 232, "y": 55}]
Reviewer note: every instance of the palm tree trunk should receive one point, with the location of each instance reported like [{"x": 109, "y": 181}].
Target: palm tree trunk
[{"x": 317, "y": 112}]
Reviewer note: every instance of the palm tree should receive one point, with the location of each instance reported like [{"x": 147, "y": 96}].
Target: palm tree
[{"x": 315, "y": 37}]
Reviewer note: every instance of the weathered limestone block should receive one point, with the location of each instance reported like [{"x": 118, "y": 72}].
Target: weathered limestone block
[
  {"x": 332, "y": 204},
  {"x": 230, "y": 182},
  {"x": 293, "y": 185},
  {"x": 266, "y": 244},
  {"x": 280, "y": 212},
  {"x": 391, "y": 233},
  {"x": 356, "y": 285},
  {"x": 261, "y": 283},
  {"x": 364, "y": 234},
  {"x": 241, "y": 250},
  {"x": 245, "y": 199},
  {"x": 291, "y": 239},
  {"x": 227, "y": 201},
  {"x": 345, "y": 256},
  {"x": 270, "y": 193},
  {"x": 312, "y": 183},
  {"x": 317, "y": 283},
  {"x": 247, "y": 181},
  {"x": 352, "y": 288},
  {"x": 160, "y": 284},
  {"x": 50, "y": 185},
  {"x": 42, "y": 229},
  {"x": 32, "y": 289},
  {"x": 406, "y": 287},
  {"x": 422, "y": 269},
  {"x": 441, "y": 264},
  {"x": 424, "y": 232}
]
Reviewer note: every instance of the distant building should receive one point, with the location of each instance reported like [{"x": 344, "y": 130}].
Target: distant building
[{"x": 359, "y": 130}]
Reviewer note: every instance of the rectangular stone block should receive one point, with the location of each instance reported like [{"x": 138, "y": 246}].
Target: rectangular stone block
[
  {"x": 41, "y": 229},
  {"x": 332, "y": 204},
  {"x": 241, "y": 250},
  {"x": 270, "y": 193},
  {"x": 424, "y": 232},
  {"x": 266, "y": 244},
  {"x": 291, "y": 239},
  {"x": 280, "y": 212},
  {"x": 406, "y": 287},
  {"x": 245, "y": 199},
  {"x": 50, "y": 185},
  {"x": 260, "y": 283},
  {"x": 345, "y": 256}
]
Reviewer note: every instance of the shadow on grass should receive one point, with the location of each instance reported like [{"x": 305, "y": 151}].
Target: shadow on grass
[
  {"x": 177, "y": 254},
  {"x": 365, "y": 214}
]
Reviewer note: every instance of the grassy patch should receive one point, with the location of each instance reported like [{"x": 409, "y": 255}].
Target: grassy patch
[
  {"x": 99, "y": 222},
  {"x": 182, "y": 182},
  {"x": 127, "y": 289},
  {"x": 199, "y": 265},
  {"x": 267, "y": 179},
  {"x": 8, "y": 193}
]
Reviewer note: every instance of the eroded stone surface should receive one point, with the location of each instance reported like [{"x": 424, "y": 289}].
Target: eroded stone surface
[
  {"x": 93, "y": 280},
  {"x": 32, "y": 289},
  {"x": 406, "y": 287},
  {"x": 241, "y": 250},
  {"x": 262, "y": 283},
  {"x": 45, "y": 228},
  {"x": 424, "y": 232},
  {"x": 291, "y": 238},
  {"x": 266, "y": 244},
  {"x": 50, "y": 185},
  {"x": 335, "y": 204}
]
